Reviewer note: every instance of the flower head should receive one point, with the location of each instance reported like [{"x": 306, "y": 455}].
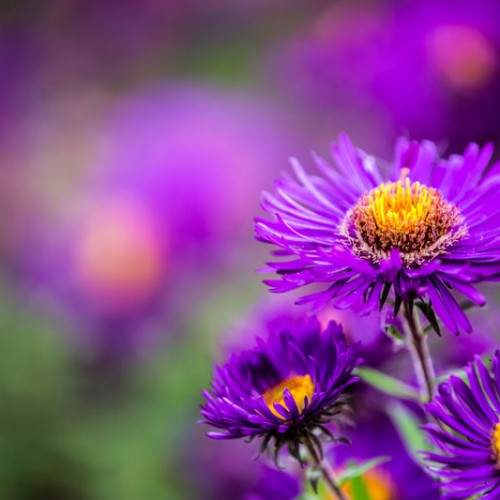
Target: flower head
[
  {"x": 417, "y": 230},
  {"x": 284, "y": 389},
  {"x": 408, "y": 216},
  {"x": 467, "y": 432}
]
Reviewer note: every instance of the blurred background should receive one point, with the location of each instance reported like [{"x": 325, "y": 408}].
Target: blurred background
[{"x": 135, "y": 138}]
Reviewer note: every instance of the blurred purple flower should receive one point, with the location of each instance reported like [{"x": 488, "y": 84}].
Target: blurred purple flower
[
  {"x": 172, "y": 180},
  {"x": 197, "y": 155},
  {"x": 428, "y": 67},
  {"x": 274, "y": 484},
  {"x": 361, "y": 236},
  {"x": 230, "y": 470},
  {"x": 450, "y": 356},
  {"x": 81, "y": 41}
]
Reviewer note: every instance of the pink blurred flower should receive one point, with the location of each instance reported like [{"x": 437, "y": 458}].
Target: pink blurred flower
[{"x": 163, "y": 210}]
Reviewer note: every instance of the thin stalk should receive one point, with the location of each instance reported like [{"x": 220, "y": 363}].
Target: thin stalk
[
  {"x": 325, "y": 470},
  {"x": 419, "y": 350}
]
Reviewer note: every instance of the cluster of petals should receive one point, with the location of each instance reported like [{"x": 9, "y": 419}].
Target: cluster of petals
[
  {"x": 235, "y": 403},
  {"x": 467, "y": 432}
]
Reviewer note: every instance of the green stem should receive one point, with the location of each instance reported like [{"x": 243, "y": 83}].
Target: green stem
[
  {"x": 326, "y": 471},
  {"x": 419, "y": 350}
]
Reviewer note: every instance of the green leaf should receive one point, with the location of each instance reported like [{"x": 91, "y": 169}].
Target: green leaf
[
  {"x": 387, "y": 384},
  {"x": 355, "y": 470},
  {"x": 309, "y": 491},
  {"x": 409, "y": 428},
  {"x": 458, "y": 372},
  {"x": 309, "y": 496},
  {"x": 313, "y": 475},
  {"x": 394, "y": 334},
  {"x": 358, "y": 490},
  {"x": 352, "y": 473}
]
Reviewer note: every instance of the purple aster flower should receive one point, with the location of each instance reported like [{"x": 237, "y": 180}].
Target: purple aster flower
[
  {"x": 425, "y": 226},
  {"x": 285, "y": 388},
  {"x": 467, "y": 432}
]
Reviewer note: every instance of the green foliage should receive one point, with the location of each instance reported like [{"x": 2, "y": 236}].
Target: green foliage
[
  {"x": 355, "y": 470},
  {"x": 352, "y": 474},
  {"x": 394, "y": 334},
  {"x": 409, "y": 428},
  {"x": 68, "y": 431},
  {"x": 37, "y": 388},
  {"x": 387, "y": 384}
]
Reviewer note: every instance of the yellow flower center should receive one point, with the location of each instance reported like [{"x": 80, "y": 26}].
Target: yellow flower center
[
  {"x": 495, "y": 442},
  {"x": 411, "y": 217},
  {"x": 375, "y": 484},
  {"x": 300, "y": 387}
]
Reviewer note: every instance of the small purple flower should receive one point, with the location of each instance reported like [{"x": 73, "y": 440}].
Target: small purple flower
[
  {"x": 467, "y": 432},
  {"x": 285, "y": 388},
  {"x": 429, "y": 225}
]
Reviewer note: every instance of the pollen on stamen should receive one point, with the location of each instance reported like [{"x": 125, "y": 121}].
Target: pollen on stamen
[
  {"x": 410, "y": 217},
  {"x": 300, "y": 387}
]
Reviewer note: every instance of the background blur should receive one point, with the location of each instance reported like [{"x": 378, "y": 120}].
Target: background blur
[{"x": 135, "y": 138}]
